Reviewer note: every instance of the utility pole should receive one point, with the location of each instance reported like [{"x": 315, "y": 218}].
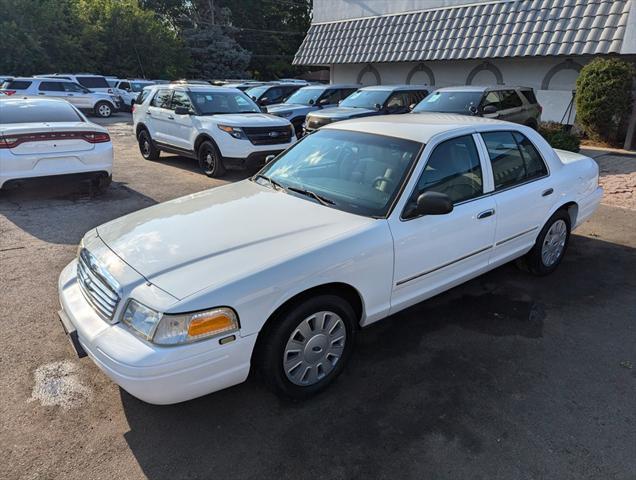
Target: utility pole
[{"x": 211, "y": 7}]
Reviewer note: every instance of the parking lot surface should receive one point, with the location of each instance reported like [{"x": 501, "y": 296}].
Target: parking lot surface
[{"x": 506, "y": 377}]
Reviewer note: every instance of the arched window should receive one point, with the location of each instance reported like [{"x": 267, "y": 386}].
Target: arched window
[
  {"x": 484, "y": 74},
  {"x": 562, "y": 76},
  {"x": 420, "y": 75}
]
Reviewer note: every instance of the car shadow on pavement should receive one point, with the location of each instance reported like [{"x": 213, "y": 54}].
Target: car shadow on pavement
[
  {"x": 191, "y": 165},
  {"x": 492, "y": 379},
  {"x": 61, "y": 211}
]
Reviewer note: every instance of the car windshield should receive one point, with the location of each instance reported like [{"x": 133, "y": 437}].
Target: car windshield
[
  {"x": 211, "y": 103},
  {"x": 28, "y": 112},
  {"x": 139, "y": 86},
  {"x": 112, "y": 83},
  {"x": 360, "y": 173},
  {"x": 366, "y": 99},
  {"x": 449, "y": 102},
  {"x": 304, "y": 96},
  {"x": 256, "y": 92}
]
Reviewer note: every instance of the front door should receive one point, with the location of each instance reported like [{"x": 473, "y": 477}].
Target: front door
[
  {"x": 78, "y": 95},
  {"x": 435, "y": 252},
  {"x": 179, "y": 127}
]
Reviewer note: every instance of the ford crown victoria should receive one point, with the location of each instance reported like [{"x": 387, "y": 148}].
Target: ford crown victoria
[{"x": 276, "y": 273}]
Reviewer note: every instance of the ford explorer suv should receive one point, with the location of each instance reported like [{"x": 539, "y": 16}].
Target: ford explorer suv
[
  {"x": 513, "y": 104},
  {"x": 309, "y": 99},
  {"x": 98, "y": 103},
  {"x": 128, "y": 90},
  {"x": 369, "y": 101},
  {"x": 219, "y": 127},
  {"x": 272, "y": 93}
]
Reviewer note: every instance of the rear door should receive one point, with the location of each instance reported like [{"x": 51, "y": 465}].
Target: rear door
[
  {"x": 157, "y": 116},
  {"x": 52, "y": 89}
]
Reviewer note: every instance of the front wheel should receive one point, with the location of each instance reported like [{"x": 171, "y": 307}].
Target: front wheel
[
  {"x": 103, "y": 109},
  {"x": 550, "y": 247},
  {"x": 307, "y": 347},
  {"x": 210, "y": 160}
]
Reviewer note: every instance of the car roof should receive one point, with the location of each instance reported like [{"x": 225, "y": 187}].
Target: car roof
[
  {"x": 41, "y": 79},
  {"x": 480, "y": 88},
  {"x": 395, "y": 88},
  {"x": 420, "y": 127},
  {"x": 334, "y": 85},
  {"x": 33, "y": 100},
  {"x": 192, "y": 87}
]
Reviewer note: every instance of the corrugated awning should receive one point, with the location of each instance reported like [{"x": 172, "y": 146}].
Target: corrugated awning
[{"x": 520, "y": 28}]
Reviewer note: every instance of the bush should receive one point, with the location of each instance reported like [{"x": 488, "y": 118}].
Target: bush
[
  {"x": 604, "y": 98},
  {"x": 558, "y": 137}
]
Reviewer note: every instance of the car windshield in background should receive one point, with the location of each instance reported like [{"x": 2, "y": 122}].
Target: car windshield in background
[
  {"x": 26, "y": 112},
  {"x": 112, "y": 83},
  {"x": 93, "y": 82},
  {"x": 210, "y": 103},
  {"x": 256, "y": 92},
  {"x": 449, "y": 102},
  {"x": 139, "y": 86},
  {"x": 304, "y": 96},
  {"x": 366, "y": 99},
  {"x": 356, "y": 172}
]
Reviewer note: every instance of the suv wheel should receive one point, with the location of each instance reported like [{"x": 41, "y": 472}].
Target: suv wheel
[
  {"x": 210, "y": 160},
  {"x": 103, "y": 109},
  {"x": 307, "y": 347},
  {"x": 147, "y": 146}
]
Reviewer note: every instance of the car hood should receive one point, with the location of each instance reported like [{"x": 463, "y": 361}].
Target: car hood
[
  {"x": 340, "y": 113},
  {"x": 218, "y": 236},
  {"x": 245, "y": 120},
  {"x": 289, "y": 108}
]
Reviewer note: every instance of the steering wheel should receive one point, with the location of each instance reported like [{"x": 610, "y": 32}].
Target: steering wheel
[{"x": 378, "y": 180}]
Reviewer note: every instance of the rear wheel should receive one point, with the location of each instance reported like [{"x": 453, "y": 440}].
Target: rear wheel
[
  {"x": 308, "y": 346},
  {"x": 550, "y": 247},
  {"x": 210, "y": 160},
  {"x": 147, "y": 146},
  {"x": 103, "y": 109}
]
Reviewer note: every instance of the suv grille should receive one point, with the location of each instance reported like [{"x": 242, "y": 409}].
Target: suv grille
[
  {"x": 97, "y": 289},
  {"x": 268, "y": 135},
  {"x": 316, "y": 122}
]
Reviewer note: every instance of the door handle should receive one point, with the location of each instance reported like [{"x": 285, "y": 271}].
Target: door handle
[
  {"x": 149, "y": 113},
  {"x": 40, "y": 93},
  {"x": 70, "y": 95},
  {"x": 547, "y": 192},
  {"x": 486, "y": 214}
]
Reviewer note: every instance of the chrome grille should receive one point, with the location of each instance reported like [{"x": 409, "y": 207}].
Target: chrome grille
[{"x": 99, "y": 290}]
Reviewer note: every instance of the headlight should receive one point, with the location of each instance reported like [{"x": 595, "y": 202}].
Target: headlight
[
  {"x": 165, "y": 329},
  {"x": 234, "y": 131}
]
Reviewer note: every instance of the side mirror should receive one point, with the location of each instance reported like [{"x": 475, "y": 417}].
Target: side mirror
[
  {"x": 432, "y": 203},
  {"x": 489, "y": 109},
  {"x": 473, "y": 109},
  {"x": 263, "y": 101},
  {"x": 377, "y": 106},
  {"x": 269, "y": 158},
  {"x": 182, "y": 111},
  {"x": 323, "y": 101}
]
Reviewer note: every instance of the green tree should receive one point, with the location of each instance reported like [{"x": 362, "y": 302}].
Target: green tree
[{"x": 604, "y": 99}]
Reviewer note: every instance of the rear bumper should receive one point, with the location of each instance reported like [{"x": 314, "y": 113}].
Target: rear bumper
[
  {"x": 253, "y": 160},
  {"x": 154, "y": 374},
  {"x": 75, "y": 177}
]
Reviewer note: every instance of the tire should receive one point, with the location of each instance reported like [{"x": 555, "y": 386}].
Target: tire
[
  {"x": 325, "y": 325},
  {"x": 147, "y": 146},
  {"x": 103, "y": 109},
  {"x": 550, "y": 247},
  {"x": 210, "y": 160}
]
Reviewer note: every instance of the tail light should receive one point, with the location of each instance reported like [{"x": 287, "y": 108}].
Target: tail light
[
  {"x": 132, "y": 108},
  {"x": 8, "y": 92},
  {"x": 12, "y": 141}
]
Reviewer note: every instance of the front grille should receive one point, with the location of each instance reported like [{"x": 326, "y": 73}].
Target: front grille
[
  {"x": 316, "y": 122},
  {"x": 100, "y": 291},
  {"x": 268, "y": 135}
]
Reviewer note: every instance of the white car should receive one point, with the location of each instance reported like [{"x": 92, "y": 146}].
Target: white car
[
  {"x": 354, "y": 223},
  {"x": 220, "y": 127},
  {"x": 128, "y": 90},
  {"x": 98, "y": 103},
  {"x": 47, "y": 137}
]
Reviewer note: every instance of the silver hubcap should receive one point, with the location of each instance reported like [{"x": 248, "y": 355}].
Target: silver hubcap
[
  {"x": 104, "y": 110},
  {"x": 314, "y": 348},
  {"x": 146, "y": 147},
  {"x": 209, "y": 161},
  {"x": 554, "y": 243}
]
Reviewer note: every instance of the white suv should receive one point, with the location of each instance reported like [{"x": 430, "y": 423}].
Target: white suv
[
  {"x": 128, "y": 90},
  {"x": 101, "y": 104},
  {"x": 220, "y": 127}
]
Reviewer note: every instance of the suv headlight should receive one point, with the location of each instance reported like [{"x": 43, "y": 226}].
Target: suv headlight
[
  {"x": 234, "y": 131},
  {"x": 166, "y": 329}
]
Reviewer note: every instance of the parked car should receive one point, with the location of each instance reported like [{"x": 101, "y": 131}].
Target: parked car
[
  {"x": 272, "y": 93},
  {"x": 369, "y": 101},
  {"x": 309, "y": 99},
  {"x": 98, "y": 103},
  {"x": 128, "y": 90},
  {"x": 276, "y": 273},
  {"x": 242, "y": 86},
  {"x": 220, "y": 127},
  {"x": 96, "y": 83},
  {"x": 42, "y": 137},
  {"x": 514, "y": 104}
]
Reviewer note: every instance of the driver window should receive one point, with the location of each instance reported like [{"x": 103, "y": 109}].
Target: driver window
[
  {"x": 181, "y": 99},
  {"x": 454, "y": 169}
]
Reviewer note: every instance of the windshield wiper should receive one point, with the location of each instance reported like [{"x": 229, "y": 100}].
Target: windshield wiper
[
  {"x": 273, "y": 183},
  {"x": 309, "y": 193}
]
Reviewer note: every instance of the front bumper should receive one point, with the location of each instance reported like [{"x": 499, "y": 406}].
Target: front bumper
[
  {"x": 154, "y": 374},
  {"x": 234, "y": 148},
  {"x": 253, "y": 160}
]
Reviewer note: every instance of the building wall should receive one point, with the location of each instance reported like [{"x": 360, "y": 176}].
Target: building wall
[{"x": 553, "y": 78}]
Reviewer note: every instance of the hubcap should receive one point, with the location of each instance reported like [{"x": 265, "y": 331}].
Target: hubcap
[
  {"x": 314, "y": 348},
  {"x": 146, "y": 146},
  {"x": 554, "y": 243},
  {"x": 104, "y": 110}
]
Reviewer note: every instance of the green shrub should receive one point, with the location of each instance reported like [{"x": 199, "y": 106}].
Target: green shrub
[
  {"x": 558, "y": 137},
  {"x": 604, "y": 98}
]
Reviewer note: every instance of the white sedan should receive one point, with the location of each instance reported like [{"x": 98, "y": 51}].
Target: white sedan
[
  {"x": 43, "y": 137},
  {"x": 354, "y": 223}
]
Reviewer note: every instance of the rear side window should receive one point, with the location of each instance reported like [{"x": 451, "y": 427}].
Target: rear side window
[
  {"x": 16, "y": 85},
  {"x": 510, "y": 99},
  {"x": 72, "y": 87},
  {"x": 162, "y": 99},
  {"x": 51, "y": 87},
  {"x": 530, "y": 96},
  {"x": 93, "y": 82},
  {"x": 514, "y": 159},
  {"x": 30, "y": 112}
]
